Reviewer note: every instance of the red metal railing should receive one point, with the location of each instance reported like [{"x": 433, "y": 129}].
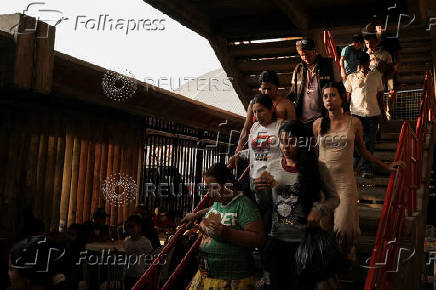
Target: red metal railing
[
  {"x": 401, "y": 194},
  {"x": 150, "y": 279},
  {"x": 330, "y": 46}
]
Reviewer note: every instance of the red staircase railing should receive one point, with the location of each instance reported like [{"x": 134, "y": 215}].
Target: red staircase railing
[
  {"x": 401, "y": 194},
  {"x": 150, "y": 279},
  {"x": 330, "y": 46}
]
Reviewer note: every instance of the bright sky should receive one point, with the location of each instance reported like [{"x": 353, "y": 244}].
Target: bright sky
[{"x": 172, "y": 51}]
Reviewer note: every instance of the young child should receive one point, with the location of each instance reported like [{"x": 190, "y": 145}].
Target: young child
[{"x": 135, "y": 245}]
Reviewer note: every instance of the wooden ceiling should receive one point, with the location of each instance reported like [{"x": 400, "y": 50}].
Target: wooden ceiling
[{"x": 229, "y": 25}]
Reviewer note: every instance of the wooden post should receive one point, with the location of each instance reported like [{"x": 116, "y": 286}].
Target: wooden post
[
  {"x": 44, "y": 58},
  {"x": 25, "y": 38},
  {"x": 33, "y": 60}
]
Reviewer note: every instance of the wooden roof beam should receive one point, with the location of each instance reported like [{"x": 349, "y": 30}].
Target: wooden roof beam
[
  {"x": 255, "y": 27},
  {"x": 296, "y": 13},
  {"x": 220, "y": 46},
  {"x": 268, "y": 49},
  {"x": 185, "y": 13}
]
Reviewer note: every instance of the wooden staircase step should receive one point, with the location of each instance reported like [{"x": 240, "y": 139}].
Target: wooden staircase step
[
  {"x": 381, "y": 172},
  {"x": 376, "y": 180},
  {"x": 262, "y": 50},
  {"x": 284, "y": 80},
  {"x": 385, "y": 155},
  {"x": 386, "y": 146},
  {"x": 372, "y": 194},
  {"x": 416, "y": 59},
  {"x": 390, "y": 136},
  {"x": 414, "y": 50},
  {"x": 367, "y": 243},
  {"x": 412, "y": 79},
  {"x": 369, "y": 216},
  {"x": 279, "y": 65},
  {"x": 392, "y": 126}
]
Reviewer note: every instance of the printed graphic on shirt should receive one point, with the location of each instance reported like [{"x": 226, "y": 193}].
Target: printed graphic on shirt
[
  {"x": 286, "y": 203},
  {"x": 261, "y": 146}
]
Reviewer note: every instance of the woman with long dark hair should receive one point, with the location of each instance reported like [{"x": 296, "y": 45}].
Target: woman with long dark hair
[
  {"x": 337, "y": 134},
  {"x": 263, "y": 149},
  {"x": 297, "y": 182}
]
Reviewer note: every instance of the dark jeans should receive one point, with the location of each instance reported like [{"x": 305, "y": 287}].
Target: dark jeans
[
  {"x": 309, "y": 126},
  {"x": 279, "y": 260},
  {"x": 370, "y": 125},
  {"x": 264, "y": 202},
  {"x": 129, "y": 282}
]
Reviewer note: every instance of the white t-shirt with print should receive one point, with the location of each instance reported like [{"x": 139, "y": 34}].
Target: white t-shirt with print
[{"x": 263, "y": 147}]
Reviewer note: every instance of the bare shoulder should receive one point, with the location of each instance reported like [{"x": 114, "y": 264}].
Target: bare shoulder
[
  {"x": 317, "y": 122},
  {"x": 356, "y": 122},
  {"x": 284, "y": 102}
]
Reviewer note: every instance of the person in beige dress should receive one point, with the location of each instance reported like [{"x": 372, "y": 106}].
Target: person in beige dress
[{"x": 337, "y": 134}]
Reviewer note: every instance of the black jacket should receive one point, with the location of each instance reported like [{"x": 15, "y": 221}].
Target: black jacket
[{"x": 325, "y": 73}]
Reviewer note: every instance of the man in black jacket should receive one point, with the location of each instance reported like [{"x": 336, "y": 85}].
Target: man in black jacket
[{"x": 308, "y": 80}]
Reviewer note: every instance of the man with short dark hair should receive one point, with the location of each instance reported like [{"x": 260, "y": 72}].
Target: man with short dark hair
[
  {"x": 308, "y": 79},
  {"x": 365, "y": 88},
  {"x": 391, "y": 44},
  {"x": 380, "y": 60},
  {"x": 349, "y": 56}
]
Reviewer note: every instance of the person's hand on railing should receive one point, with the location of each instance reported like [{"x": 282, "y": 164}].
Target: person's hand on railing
[
  {"x": 189, "y": 218},
  {"x": 192, "y": 217},
  {"x": 394, "y": 166},
  {"x": 233, "y": 160}
]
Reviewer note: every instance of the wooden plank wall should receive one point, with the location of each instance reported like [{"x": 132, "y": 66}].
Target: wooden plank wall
[{"x": 56, "y": 162}]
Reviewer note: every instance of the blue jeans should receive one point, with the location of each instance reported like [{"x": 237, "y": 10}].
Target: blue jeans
[{"x": 370, "y": 125}]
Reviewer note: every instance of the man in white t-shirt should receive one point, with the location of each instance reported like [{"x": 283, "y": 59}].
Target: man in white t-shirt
[
  {"x": 381, "y": 60},
  {"x": 365, "y": 89}
]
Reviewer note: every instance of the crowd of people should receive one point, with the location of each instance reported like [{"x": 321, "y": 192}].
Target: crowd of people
[
  {"x": 59, "y": 264},
  {"x": 302, "y": 168},
  {"x": 304, "y": 152}
]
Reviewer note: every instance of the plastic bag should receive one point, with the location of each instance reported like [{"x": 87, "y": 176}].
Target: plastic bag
[{"x": 318, "y": 256}]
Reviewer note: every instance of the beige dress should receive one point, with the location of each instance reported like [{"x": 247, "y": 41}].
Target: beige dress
[{"x": 336, "y": 151}]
